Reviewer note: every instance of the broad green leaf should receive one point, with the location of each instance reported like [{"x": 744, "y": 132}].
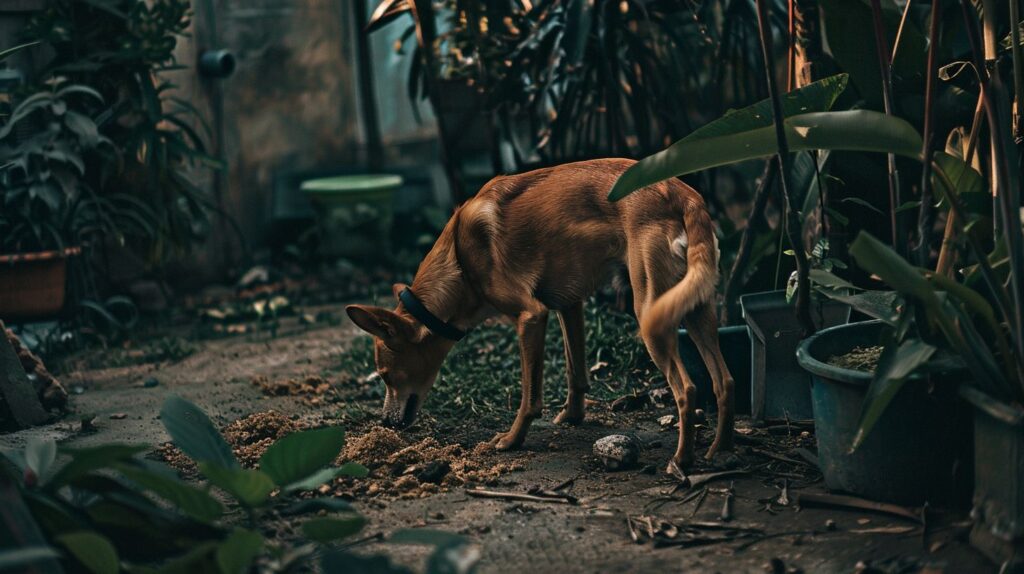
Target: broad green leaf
[
  {"x": 190, "y": 500},
  {"x": 249, "y": 487},
  {"x": 814, "y": 97},
  {"x": 194, "y": 433},
  {"x": 40, "y": 454},
  {"x": 826, "y": 279},
  {"x": 86, "y": 460},
  {"x": 326, "y": 475},
  {"x": 8, "y": 52},
  {"x": 880, "y": 305},
  {"x": 329, "y": 529},
  {"x": 19, "y": 559},
  {"x": 239, "y": 549},
  {"x": 301, "y": 454},
  {"x": 857, "y": 130},
  {"x": 93, "y": 550},
  {"x": 895, "y": 365}
]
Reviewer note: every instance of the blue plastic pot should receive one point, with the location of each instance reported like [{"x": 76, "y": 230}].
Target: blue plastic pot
[
  {"x": 735, "y": 344},
  {"x": 919, "y": 449}
]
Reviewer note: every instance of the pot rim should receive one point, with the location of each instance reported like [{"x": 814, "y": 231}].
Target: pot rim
[
  {"x": 822, "y": 369},
  {"x": 12, "y": 258}
]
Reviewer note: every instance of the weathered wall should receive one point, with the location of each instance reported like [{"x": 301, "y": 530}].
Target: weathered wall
[{"x": 290, "y": 104}]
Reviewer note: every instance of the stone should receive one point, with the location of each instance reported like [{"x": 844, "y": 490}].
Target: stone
[{"x": 618, "y": 451}]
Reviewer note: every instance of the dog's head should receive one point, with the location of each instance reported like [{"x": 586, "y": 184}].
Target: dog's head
[{"x": 408, "y": 358}]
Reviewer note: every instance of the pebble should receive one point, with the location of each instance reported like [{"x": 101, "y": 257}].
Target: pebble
[{"x": 617, "y": 451}]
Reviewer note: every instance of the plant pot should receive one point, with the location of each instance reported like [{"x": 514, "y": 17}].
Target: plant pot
[
  {"x": 917, "y": 448},
  {"x": 354, "y": 213},
  {"x": 998, "y": 506},
  {"x": 779, "y": 387},
  {"x": 735, "y": 344},
  {"x": 32, "y": 285}
]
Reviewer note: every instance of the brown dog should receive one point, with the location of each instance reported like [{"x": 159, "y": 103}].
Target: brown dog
[{"x": 541, "y": 241}]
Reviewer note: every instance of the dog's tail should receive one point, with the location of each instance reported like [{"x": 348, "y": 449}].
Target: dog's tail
[{"x": 701, "y": 279}]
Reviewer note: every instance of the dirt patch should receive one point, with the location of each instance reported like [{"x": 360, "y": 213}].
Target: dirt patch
[
  {"x": 311, "y": 387},
  {"x": 404, "y": 469},
  {"x": 859, "y": 359},
  {"x": 249, "y": 438}
]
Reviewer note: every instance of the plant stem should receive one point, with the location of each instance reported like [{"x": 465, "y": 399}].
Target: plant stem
[
  {"x": 926, "y": 213},
  {"x": 737, "y": 276},
  {"x": 882, "y": 48},
  {"x": 1018, "y": 73},
  {"x": 947, "y": 255},
  {"x": 1005, "y": 186},
  {"x": 803, "y": 301}
]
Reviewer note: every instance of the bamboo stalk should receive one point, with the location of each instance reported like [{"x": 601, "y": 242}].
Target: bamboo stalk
[
  {"x": 926, "y": 213},
  {"x": 882, "y": 48},
  {"x": 803, "y": 301}
]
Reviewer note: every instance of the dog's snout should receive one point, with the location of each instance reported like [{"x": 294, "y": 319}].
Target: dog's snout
[{"x": 404, "y": 417}]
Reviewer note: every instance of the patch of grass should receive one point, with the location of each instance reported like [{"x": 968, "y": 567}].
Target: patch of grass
[{"x": 481, "y": 377}]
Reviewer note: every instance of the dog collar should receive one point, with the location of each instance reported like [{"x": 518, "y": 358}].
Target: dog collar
[{"x": 429, "y": 320}]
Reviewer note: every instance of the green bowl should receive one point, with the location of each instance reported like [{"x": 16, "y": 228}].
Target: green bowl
[{"x": 351, "y": 189}]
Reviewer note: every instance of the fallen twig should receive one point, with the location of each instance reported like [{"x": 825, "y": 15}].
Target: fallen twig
[
  {"x": 842, "y": 501},
  {"x": 560, "y": 499}
]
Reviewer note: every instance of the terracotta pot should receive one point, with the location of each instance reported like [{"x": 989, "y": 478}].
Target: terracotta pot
[{"x": 32, "y": 285}]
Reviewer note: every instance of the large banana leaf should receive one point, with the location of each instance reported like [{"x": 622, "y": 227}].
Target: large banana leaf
[{"x": 857, "y": 130}]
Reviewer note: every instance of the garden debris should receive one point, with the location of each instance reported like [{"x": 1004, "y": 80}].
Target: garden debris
[
  {"x": 853, "y": 502},
  {"x": 730, "y": 494},
  {"x": 249, "y": 438},
  {"x": 662, "y": 533},
  {"x": 51, "y": 393},
  {"x": 626, "y": 403},
  {"x": 617, "y": 451},
  {"x": 311, "y": 387},
  {"x": 535, "y": 497},
  {"x": 399, "y": 468}
]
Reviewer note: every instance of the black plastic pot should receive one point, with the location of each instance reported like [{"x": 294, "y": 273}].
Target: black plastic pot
[
  {"x": 918, "y": 448},
  {"x": 779, "y": 387},
  {"x": 735, "y": 345},
  {"x": 998, "y": 508}
]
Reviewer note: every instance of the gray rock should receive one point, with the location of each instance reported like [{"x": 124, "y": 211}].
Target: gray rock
[{"x": 618, "y": 451}]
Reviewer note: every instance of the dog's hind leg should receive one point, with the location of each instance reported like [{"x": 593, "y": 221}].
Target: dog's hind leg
[
  {"x": 571, "y": 320},
  {"x": 654, "y": 273},
  {"x": 531, "y": 326},
  {"x": 702, "y": 325}
]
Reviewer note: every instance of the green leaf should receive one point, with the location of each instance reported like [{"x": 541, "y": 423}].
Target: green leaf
[
  {"x": 92, "y": 550},
  {"x": 329, "y": 529},
  {"x": 194, "y": 502},
  {"x": 863, "y": 203},
  {"x": 880, "y": 305},
  {"x": 344, "y": 562},
  {"x": 249, "y": 487},
  {"x": 895, "y": 365},
  {"x": 19, "y": 558},
  {"x": 326, "y": 475},
  {"x": 857, "y": 130},
  {"x": 301, "y": 454},
  {"x": 236, "y": 553},
  {"x": 830, "y": 280},
  {"x": 86, "y": 460},
  {"x": 40, "y": 454},
  {"x": 194, "y": 433}
]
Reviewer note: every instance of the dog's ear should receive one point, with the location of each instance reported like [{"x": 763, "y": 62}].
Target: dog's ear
[
  {"x": 380, "y": 322},
  {"x": 398, "y": 288}
]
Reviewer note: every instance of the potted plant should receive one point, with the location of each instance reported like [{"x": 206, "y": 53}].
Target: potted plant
[{"x": 47, "y": 210}]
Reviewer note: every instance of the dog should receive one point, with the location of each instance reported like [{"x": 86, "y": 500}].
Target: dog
[{"x": 543, "y": 241}]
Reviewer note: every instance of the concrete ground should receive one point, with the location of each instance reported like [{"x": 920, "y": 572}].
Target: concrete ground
[{"x": 764, "y": 532}]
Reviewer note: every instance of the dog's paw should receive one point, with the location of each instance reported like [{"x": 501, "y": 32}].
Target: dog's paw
[
  {"x": 505, "y": 441},
  {"x": 678, "y": 465},
  {"x": 724, "y": 460},
  {"x": 569, "y": 418}
]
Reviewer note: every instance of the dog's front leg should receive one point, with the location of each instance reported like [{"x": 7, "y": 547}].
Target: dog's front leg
[{"x": 531, "y": 327}]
